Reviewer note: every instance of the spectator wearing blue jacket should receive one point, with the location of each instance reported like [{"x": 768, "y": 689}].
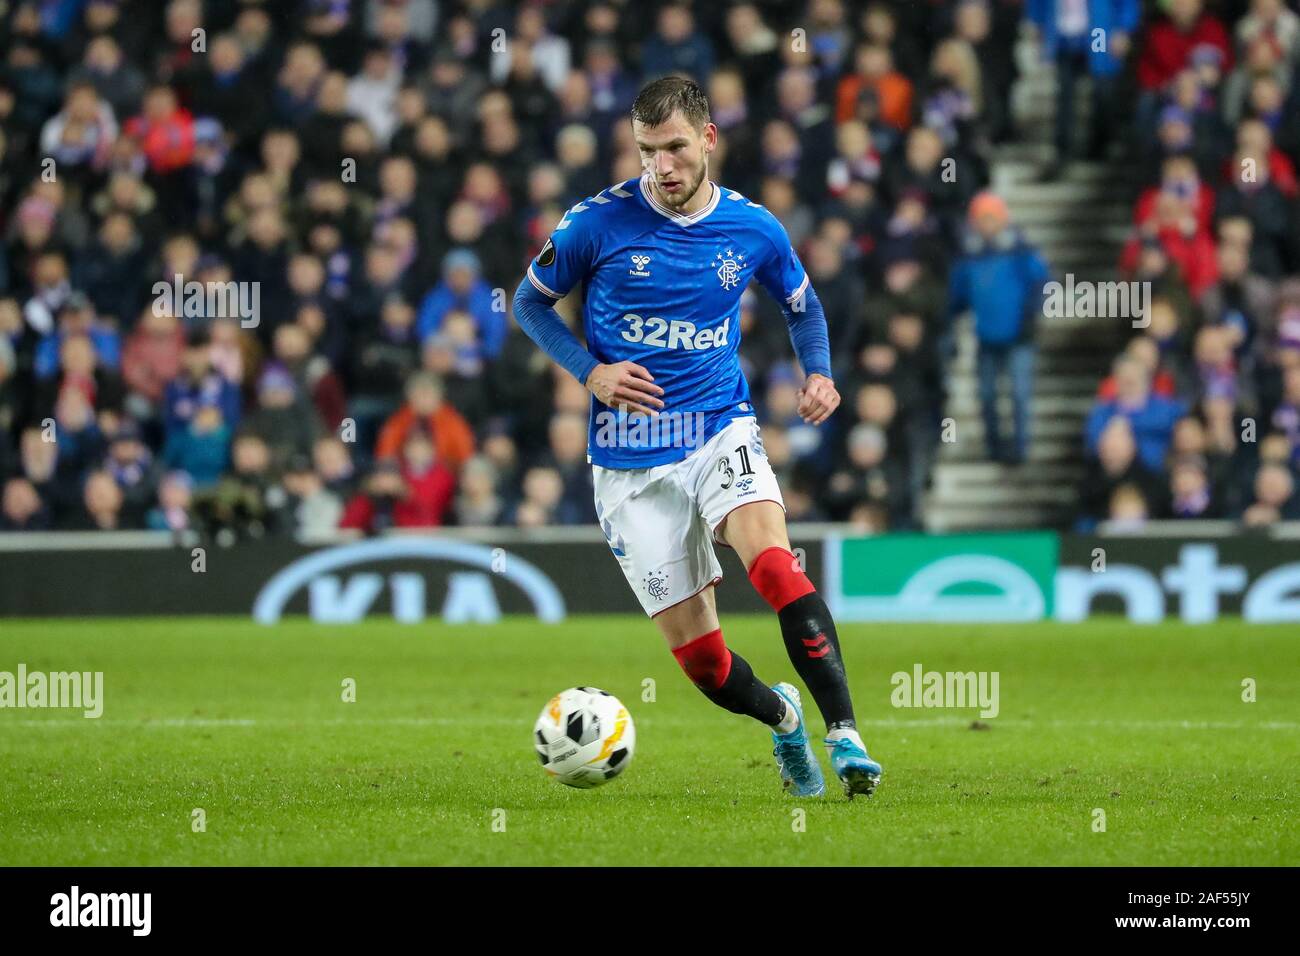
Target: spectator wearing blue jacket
[
  {"x": 464, "y": 289},
  {"x": 1000, "y": 277},
  {"x": 677, "y": 46},
  {"x": 76, "y": 316},
  {"x": 199, "y": 385},
  {"x": 1090, "y": 37},
  {"x": 1153, "y": 417}
]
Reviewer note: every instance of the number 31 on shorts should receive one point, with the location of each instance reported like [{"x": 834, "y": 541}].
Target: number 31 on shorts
[{"x": 728, "y": 473}]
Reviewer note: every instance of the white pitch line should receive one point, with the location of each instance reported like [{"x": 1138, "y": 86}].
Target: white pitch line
[
  {"x": 199, "y": 722},
  {"x": 993, "y": 722}
]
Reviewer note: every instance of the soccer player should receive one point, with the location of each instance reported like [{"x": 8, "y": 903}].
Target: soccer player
[{"x": 677, "y": 458}]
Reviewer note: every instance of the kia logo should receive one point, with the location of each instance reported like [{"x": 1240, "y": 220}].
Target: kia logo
[{"x": 470, "y": 596}]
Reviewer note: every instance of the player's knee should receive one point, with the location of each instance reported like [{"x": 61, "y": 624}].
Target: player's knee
[
  {"x": 777, "y": 576},
  {"x": 706, "y": 660}
]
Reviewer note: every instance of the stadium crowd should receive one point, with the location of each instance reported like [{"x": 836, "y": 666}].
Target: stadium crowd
[
  {"x": 381, "y": 171},
  {"x": 384, "y": 171},
  {"x": 1200, "y": 417}
]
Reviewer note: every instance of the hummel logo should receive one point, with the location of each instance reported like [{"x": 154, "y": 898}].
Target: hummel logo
[{"x": 640, "y": 262}]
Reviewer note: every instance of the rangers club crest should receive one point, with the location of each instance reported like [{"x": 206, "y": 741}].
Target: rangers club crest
[
  {"x": 656, "y": 584},
  {"x": 729, "y": 266}
]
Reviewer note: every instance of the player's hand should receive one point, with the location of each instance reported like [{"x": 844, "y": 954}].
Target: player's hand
[
  {"x": 817, "y": 399},
  {"x": 625, "y": 384}
]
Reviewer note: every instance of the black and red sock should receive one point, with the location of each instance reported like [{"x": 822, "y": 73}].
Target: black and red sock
[
  {"x": 725, "y": 678},
  {"x": 808, "y": 630}
]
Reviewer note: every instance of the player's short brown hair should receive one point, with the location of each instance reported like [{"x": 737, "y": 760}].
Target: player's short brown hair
[{"x": 659, "y": 99}]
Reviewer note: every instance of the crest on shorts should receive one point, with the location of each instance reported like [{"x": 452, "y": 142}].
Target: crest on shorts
[
  {"x": 656, "y": 584},
  {"x": 547, "y": 255}
]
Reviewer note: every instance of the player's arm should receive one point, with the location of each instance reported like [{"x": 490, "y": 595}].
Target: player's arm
[
  {"x": 818, "y": 397},
  {"x": 550, "y": 277},
  {"x": 536, "y": 315},
  {"x": 786, "y": 281}
]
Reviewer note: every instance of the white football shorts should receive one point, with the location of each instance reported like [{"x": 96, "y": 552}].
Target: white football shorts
[{"x": 661, "y": 522}]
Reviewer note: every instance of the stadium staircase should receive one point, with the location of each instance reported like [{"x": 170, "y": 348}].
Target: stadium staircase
[{"x": 1079, "y": 223}]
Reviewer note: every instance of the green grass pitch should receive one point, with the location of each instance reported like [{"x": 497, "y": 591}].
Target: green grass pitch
[{"x": 248, "y": 724}]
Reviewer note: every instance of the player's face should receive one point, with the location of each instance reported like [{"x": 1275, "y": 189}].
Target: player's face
[{"x": 676, "y": 155}]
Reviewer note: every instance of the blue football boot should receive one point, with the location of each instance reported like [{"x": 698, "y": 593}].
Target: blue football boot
[
  {"x": 800, "y": 772},
  {"x": 855, "y": 768}
]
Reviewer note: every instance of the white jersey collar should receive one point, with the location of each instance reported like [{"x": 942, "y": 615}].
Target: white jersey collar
[{"x": 677, "y": 217}]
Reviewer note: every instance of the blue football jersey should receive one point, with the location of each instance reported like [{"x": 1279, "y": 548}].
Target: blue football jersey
[{"x": 663, "y": 290}]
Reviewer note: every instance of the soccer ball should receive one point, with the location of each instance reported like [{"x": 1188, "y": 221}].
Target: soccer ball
[{"x": 584, "y": 737}]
